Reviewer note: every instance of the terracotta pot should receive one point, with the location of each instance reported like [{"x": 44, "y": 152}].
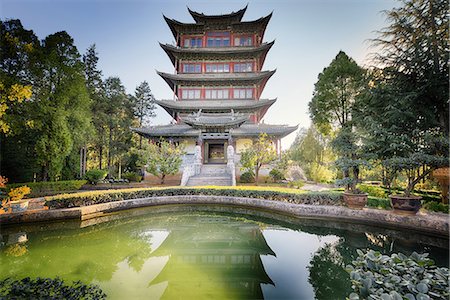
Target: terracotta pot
[
  {"x": 18, "y": 206},
  {"x": 355, "y": 201},
  {"x": 405, "y": 205}
]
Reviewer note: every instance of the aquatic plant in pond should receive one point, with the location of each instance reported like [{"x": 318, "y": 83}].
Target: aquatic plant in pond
[
  {"x": 396, "y": 277},
  {"x": 48, "y": 288}
]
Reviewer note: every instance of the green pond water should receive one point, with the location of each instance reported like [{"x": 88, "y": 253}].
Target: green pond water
[{"x": 195, "y": 252}]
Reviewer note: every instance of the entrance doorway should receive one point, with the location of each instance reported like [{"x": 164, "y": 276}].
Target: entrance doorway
[{"x": 215, "y": 152}]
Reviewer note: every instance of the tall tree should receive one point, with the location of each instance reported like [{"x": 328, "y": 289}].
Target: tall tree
[
  {"x": 332, "y": 107},
  {"x": 96, "y": 92},
  {"x": 143, "y": 105},
  {"x": 404, "y": 110},
  {"x": 119, "y": 117},
  {"x": 62, "y": 112},
  {"x": 415, "y": 51},
  {"x": 335, "y": 94}
]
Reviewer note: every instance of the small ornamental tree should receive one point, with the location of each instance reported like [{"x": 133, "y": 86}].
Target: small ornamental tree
[
  {"x": 350, "y": 158},
  {"x": 164, "y": 159},
  {"x": 259, "y": 153}
]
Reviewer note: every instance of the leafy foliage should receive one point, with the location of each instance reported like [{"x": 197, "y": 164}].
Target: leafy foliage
[
  {"x": 50, "y": 187},
  {"x": 335, "y": 94},
  {"x": 436, "y": 207},
  {"x": 132, "y": 176},
  {"x": 18, "y": 193},
  {"x": 165, "y": 159},
  {"x": 247, "y": 177},
  {"x": 397, "y": 277},
  {"x": 277, "y": 175},
  {"x": 259, "y": 153},
  {"x": 95, "y": 175},
  {"x": 48, "y": 288}
]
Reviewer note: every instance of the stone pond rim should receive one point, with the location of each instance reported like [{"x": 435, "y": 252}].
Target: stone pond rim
[{"x": 430, "y": 223}]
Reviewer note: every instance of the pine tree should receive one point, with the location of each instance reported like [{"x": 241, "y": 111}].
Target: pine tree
[{"x": 143, "y": 105}]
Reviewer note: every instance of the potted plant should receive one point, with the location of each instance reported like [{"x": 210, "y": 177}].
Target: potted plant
[
  {"x": 416, "y": 167},
  {"x": 15, "y": 198},
  {"x": 350, "y": 161}
]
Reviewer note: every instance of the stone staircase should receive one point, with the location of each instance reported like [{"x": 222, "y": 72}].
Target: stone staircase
[{"x": 211, "y": 174}]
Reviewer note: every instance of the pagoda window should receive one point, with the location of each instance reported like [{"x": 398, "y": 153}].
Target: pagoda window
[
  {"x": 217, "y": 68},
  {"x": 243, "y": 67},
  {"x": 190, "y": 94},
  {"x": 193, "y": 42},
  {"x": 192, "y": 68},
  {"x": 218, "y": 39},
  {"x": 245, "y": 93},
  {"x": 243, "y": 41},
  {"x": 216, "y": 94}
]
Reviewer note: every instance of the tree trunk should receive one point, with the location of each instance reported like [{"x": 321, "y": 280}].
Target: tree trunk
[
  {"x": 100, "y": 156},
  {"x": 256, "y": 175},
  {"x": 44, "y": 175},
  {"x": 109, "y": 152},
  {"x": 163, "y": 176}
]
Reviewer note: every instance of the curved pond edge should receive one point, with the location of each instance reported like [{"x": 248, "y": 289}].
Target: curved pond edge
[{"x": 430, "y": 223}]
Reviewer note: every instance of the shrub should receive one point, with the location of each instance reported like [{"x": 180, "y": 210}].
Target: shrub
[
  {"x": 17, "y": 194},
  {"x": 436, "y": 206},
  {"x": 373, "y": 190},
  {"x": 296, "y": 184},
  {"x": 380, "y": 203},
  {"x": 276, "y": 175},
  {"x": 44, "y": 188},
  {"x": 377, "y": 276},
  {"x": 95, "y": 175},
  {"x": 247, "y": 177},
  {"x": 48, "y": 288},
  {"x": 132, "y": 176},
  {"x": 277, "y": 194}
]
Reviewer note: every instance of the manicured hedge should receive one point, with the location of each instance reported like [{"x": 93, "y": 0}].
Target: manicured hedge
[
  {"x": 380, "y": 203},
  {"x": 277, "y": 194},
  {"x": 43, "y": 188},
  {"x": 48, "y": 288}
]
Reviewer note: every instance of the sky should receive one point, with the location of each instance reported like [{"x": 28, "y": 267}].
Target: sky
[{"x": 308, "y": 34}]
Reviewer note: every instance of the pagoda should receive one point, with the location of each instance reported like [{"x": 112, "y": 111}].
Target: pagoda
[
  {"x": 214, "y": 258},
  {"x": 217, "y": 82}
]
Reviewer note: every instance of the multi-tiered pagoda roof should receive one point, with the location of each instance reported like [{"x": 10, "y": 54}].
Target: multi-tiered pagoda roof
[{"x": 218, "y": 78}]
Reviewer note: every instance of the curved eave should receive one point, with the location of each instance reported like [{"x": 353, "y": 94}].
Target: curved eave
[
  {"x": 215, "y": 106},
  {"x": 231, "y": 17},
  {"x": 258, "y": 25},
  {"x": 254, "y": 130},
  {"x": 174, "y": 80},
  {"x": 215, "y": 122},
  {"x": 175, "y": 53},
  {"x": 167, "y": 131}
]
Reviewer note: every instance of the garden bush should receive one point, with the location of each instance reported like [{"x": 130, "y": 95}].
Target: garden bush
[
  {"x": 436, "y": 206},
  {"x": 277, "y": 194},
  {"x": 373, "y": 190},
  {"x": 43, "y": 188},
  {"x": 95, "y": 175},
  {"x": 380, "y": 203},
  {"x": 247, "y": 177},
  {"x": 48, "y": 288},
  {"x": 397, "y": 277},
  {"x": 276, "y": 175},
  {"x": 132, "y": 176}
]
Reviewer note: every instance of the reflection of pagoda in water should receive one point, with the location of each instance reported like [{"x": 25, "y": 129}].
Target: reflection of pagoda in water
[{"x": 214, "y": 259}]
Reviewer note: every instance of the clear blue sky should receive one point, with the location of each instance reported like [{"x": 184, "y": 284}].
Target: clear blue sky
[{"x": 308, "y": 34}]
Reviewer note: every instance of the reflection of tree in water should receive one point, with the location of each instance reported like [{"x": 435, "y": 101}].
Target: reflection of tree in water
[
  {"x": 327, "y": 274},
  {"x": 85, "y": 254}
]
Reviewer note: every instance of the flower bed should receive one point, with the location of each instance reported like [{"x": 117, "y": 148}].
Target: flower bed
[{"x": 277, "y": 194}]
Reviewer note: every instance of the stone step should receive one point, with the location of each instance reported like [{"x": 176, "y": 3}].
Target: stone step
[{"x": 199, "y": 180}]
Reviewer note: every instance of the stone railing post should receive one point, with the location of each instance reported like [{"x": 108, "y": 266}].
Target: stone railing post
[{"x": 231, "y": 168}]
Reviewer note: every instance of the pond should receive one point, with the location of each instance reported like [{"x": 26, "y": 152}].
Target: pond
[{"x": 198, "y": 252}]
